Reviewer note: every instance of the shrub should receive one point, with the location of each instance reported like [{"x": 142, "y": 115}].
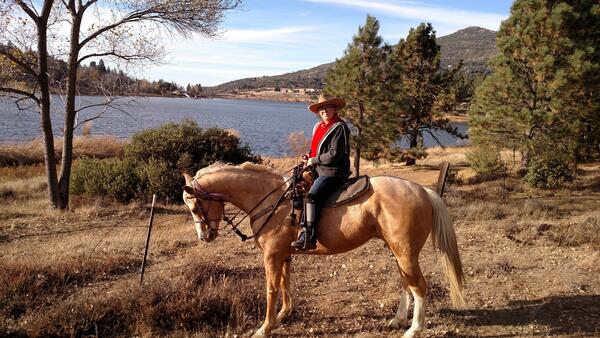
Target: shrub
[
  {"x": 486, "y": 161},
  {"x": 548, "y": 173},
  {"x": 157, "y": 178},
  {"x": 107, "y": 177},
  {"x": 154, "y": 161},
  {"x": 187, "y": 147}
]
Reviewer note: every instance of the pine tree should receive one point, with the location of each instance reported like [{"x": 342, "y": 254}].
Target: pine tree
[
  {"x": 542, "y": 97},
  {"x": 357, "y": 78},
  {"x": 418, "y": 92},
  {"x": 101, "y": 67}
]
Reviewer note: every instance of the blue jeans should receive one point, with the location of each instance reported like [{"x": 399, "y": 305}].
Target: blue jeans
[{"x": 321, "y": 189}]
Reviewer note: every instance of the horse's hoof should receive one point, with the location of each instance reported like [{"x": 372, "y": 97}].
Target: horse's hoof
[
  {"x": 260, "y": 333},
  {"x": 395, "y": 324},
  {"x": 281, "y": 316},
  {"x": 410, "y": 334}
]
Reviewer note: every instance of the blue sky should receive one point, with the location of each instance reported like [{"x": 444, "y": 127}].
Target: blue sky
[{"x": 270, "y": 37}]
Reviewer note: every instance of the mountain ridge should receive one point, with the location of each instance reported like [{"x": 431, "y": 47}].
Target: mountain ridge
[{"x": 474, "y": 45}]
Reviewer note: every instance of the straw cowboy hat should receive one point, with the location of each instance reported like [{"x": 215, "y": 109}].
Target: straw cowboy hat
[{"x": 326, "y": 100}]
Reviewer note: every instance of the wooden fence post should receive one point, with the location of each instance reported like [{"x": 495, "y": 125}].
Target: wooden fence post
[
  {"x": 442, "y": 178},
  {"x": 147, "y": 239}
]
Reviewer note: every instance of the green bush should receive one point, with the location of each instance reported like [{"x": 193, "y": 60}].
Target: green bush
[
  {"x": 187, "y": 147},
  {"x": 486, "y": 161},
  {"x": 548, "y": 173},
  {"x": 157, "y": 178},
  {"x": 106, "y": 177},
  {"x": 154, "y": 161}
]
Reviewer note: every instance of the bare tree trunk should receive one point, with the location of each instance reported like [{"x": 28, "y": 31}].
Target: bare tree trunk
[
  {"x": 67, "y": 154},
  {"x": 361, "y": 112},
  {"x": 44, "y": 106}
]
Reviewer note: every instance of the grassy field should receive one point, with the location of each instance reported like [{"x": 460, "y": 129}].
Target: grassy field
[{"x": 532, "y": 260}]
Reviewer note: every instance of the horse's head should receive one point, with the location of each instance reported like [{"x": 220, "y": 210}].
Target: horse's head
[{"x": 206, "y": 208}]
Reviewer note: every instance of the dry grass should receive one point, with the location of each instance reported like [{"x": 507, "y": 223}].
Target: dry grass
[
  {"x": 32, "y": 152},
  {"x": 74, "y": 274},
  {"x": 23, "y": 188},
  {"x": 200, "y": 297}
]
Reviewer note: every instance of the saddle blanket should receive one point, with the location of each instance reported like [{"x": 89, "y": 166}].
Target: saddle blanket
[{"x": 348, "y": 191}]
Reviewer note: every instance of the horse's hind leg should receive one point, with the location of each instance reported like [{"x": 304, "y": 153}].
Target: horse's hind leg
[
  {"x": 284, "y": 285},
  {"x": 409, "y": 268},
  {"x": 402, "y": 313}
]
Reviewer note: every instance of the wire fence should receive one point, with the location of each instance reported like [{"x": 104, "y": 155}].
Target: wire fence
[{"x": 105, "y": 233}]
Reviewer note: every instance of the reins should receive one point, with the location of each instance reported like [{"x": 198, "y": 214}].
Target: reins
[{"x": 203, "y": 194}]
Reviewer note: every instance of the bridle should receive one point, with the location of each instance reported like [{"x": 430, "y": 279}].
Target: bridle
[{"x": 202, "y": 194}]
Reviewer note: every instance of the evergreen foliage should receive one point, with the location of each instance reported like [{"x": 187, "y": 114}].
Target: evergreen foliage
[
  {"x": 115, "y": 178},
  {"x": 486, "y": 161},
  {"x": 418, "y": 92},
  {"x": 548, "y": 173},
  {"x": 542, "y": 96},
  {"x": 357, "y": 77}
]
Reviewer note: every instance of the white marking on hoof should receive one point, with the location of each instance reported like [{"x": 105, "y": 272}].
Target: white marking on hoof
[
  {"x": 395, "y": 324},
  {"x": 410, "y": 333},
  {"x": 260, "y": 333}
]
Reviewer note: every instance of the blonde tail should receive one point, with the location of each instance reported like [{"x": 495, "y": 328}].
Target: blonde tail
[{"x": 444, "y": 240}]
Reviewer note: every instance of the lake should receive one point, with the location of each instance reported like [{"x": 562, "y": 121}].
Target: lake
[{"x": 264, "y": 125}]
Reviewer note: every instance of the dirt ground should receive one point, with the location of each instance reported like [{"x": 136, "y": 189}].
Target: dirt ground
[{"x": 531, "y": 258}]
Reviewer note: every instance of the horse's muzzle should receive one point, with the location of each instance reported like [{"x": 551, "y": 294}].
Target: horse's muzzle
[{"x": 212, "y": 234}]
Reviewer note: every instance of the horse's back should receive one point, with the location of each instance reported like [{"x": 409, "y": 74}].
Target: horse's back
[{"x": 401, "y": 191}]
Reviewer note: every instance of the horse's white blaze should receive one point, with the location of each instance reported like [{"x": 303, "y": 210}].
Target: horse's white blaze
[{"x": 198, "y": 230}]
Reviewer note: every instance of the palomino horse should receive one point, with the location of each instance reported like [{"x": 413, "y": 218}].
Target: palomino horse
[{"x": 400, "y": 212}]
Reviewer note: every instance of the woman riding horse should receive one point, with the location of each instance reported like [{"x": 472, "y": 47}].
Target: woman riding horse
[
  {"x": 401, "y": 213},
  {"x": 330, "y": 156}
]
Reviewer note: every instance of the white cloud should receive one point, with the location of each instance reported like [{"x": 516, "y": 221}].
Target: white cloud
[
  {"x": 283, "y": 34},
  {"x": 414, "y": 10}
]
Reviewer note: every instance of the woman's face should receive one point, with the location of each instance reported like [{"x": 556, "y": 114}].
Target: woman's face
[{"x": 326, "y": 113}]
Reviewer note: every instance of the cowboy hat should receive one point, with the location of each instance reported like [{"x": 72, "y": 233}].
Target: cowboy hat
[{"x": 326, "y": 100}]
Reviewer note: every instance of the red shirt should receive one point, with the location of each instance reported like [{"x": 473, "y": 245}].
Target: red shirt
[{"x": 320, "y": 131}]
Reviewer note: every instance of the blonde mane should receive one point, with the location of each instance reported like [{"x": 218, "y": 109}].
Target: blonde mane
[{"x": 246, "y": 166}]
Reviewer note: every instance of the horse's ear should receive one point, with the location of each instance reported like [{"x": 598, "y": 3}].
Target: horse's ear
[
  {"x": 189, "y": 190},
  {"x": 187, "y": 177}
]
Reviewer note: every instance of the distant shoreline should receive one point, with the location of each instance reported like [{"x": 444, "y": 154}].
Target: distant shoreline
[{"x": 455, "y": 116}]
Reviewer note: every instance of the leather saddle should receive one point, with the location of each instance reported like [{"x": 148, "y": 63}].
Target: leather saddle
[
  {"x": 351, "y": 189},
  {"x": 348, "y": 191}
]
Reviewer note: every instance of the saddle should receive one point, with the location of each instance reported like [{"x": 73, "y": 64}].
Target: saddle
[
  {"x": 348, "y": 191},
  {"x": 351, "y": 189}
]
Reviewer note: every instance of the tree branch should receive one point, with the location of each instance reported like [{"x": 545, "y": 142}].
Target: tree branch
[
  {"x": 30, "y": 12},
  {"x": 4, "y": 51},
  {"x": 20, "y": 92},
  {"x": 115, "y": 54},
  {"x": 88, "y": 4}
]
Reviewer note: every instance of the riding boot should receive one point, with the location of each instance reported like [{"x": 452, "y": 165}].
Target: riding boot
[{"x": 308, "y": 237}]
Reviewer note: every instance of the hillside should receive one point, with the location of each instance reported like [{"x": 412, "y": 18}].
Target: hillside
[{"x": 473, "y": 45}]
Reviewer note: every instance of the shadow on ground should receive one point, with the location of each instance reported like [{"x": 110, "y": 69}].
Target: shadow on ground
[{"x": 562, "y": 315}]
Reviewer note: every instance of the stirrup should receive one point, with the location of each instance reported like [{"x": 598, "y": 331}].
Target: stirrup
[
  {"x": 303, "y": 242},
  {"x": 300, "y": 243}
]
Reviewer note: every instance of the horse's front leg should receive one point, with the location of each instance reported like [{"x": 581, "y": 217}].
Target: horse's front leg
[
  {"x": 286, "y": 294},
  {"x": 273, "y": 270}
]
